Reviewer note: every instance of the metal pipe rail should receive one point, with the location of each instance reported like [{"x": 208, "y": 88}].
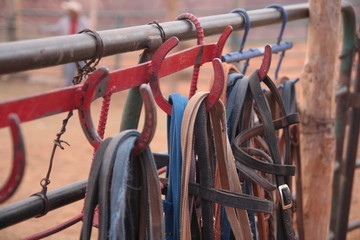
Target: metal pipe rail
[
  {"x": 59, "y": 50},
  {"x": 33, "y": 206},
  {"x": 46, "y": 52}
]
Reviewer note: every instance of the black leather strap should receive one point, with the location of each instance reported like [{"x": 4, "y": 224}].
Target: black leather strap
[
  {"x": 91, "y": 198},
  {"x": 285, "y": 228},
  {"x": 242, "y": 156},
  {"x": 228, "y": 198},
  {"x": 232, "y": 199},
  {"x": 127, "y": 189},
  {"x": 206, "y": 169}
]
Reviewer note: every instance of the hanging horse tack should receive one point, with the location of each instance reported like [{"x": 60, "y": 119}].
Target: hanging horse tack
[
  {"x": 257, "y": 151},
  {"x": 159, "y": 59}
]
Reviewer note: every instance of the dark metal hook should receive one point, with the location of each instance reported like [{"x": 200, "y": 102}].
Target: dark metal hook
[
  {"x": 283, "y": 25},
  {"x": 284, "y": 19},
  {"x": 18, "y": 166},
  {"x": 247, "y": 21}
]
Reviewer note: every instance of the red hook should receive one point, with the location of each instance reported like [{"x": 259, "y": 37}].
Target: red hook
[
  {"x": 91, "y": 90},
  {"x": 18, "y": 166},
  {"x": 149, "y": 128},
  {"x": 218, "y": 85},
  {"x": 97, "y": 86},
  {"x": 266, "y": 62},
  {"x": 156, "y": 62}
]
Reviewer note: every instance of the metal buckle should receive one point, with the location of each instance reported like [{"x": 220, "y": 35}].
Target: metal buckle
[{"x": 283, "y": 189}]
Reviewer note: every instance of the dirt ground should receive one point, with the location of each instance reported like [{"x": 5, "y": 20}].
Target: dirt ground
[{"x": 73, "y": 163}]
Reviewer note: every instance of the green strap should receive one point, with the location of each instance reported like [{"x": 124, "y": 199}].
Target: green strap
[{"x": 133, "y": 104}]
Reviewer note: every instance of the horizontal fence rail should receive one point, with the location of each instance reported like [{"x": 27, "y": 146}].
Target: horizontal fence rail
[
  {"x": 46, "y": 52},
  {"x": 33, "y": 54},
  {"x": 33, "y": 206}
]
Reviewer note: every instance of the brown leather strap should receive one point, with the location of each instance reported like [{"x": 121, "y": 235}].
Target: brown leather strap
[
  {"x": 229, "y": 180},
  {"x": 187, "y": 137},
  {"x": 228, "y": 176}
]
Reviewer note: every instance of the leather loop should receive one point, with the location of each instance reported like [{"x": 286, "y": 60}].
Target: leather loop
[{"x": 127, "y": 190}]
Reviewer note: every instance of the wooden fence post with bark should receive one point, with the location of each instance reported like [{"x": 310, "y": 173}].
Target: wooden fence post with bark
[{"x": 317, "y": 115}]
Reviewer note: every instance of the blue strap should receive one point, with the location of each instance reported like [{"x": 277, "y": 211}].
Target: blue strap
[
  {"x": 235, "y": 99},
  {"x": 118, "y": 190},
  {"x": 236, "y": 91},
  {"x": 172, "y": 202}
]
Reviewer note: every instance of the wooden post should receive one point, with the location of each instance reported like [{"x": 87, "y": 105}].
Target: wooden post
[
  {"x": 93, "y": 13},
  {"x": 317, "y": 115},
  {"x": 14, "y": 19},
  {"x": 172, "y": 10}
]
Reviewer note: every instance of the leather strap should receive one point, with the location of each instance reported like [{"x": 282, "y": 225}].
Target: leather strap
[
  {"x": 229, "y": 180},
  {"x": 285, "y": 230},
  {"x": 289, "y": 97},
  {"x": 206, "y": 166},
  {"x": 127, "y": 190},
  {"x": 237, "y": 86},
  {"x": 228, "y": 198},
  {"x": 242, "y": 156},
  {"x": 91, "y": 198},
  {"x": 123, "y": 222},
  {"x": 236, "y": 99},
  {"x": 241, "y": 231}
]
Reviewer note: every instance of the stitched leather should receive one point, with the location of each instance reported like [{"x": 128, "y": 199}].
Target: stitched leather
[
  {"x": 228, "y": 198},
  {"x": 227, "y": 182},
  {"x": 288, "y": 94},
  {"x": 206, "y": 171},
  {"x": 285, "y": 230}
]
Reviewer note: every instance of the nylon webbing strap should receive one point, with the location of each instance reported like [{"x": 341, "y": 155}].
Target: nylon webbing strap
[{"x": 172, "y": 201}]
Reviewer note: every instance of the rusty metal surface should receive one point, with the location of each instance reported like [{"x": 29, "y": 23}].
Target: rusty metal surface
[
  {"x": 68, "y": 98},
  {"x": 31, "y": 207},
  {"x": 53, "y": 51}
]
